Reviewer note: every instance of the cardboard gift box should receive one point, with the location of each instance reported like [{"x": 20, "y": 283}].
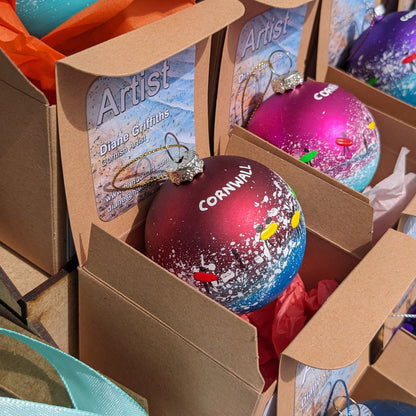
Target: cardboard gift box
[
  {"x": 48, "y": 305},
  {"x": 33, "y": 208},
  {"x": 342, "y": 340},
  {"x": 140, "y": 324},
  {"x": 340, "y": 24}
]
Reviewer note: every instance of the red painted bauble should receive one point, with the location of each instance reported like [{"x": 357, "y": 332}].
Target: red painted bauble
[{"x": 236, "y": 232}]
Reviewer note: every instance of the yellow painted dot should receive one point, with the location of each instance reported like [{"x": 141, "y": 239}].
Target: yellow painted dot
[
  {"x": 269, "y": 231},
  {"x": 295, "y": 219},
  {"x": 372, "y": 125}
]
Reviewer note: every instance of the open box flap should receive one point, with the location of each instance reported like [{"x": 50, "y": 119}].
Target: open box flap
[
  {"x": 11, "y": 74},
  {"x": 411, "y": 207},
  {"x": 267, "y": 26},
  {"x": 167, "y": 36},
  {"x": 126, "y": 55},
  {"x": 161, "y": 294},
  {"x": 400, "y": 371},
  {"x": 371, "y": 96},
  {"x": 409, "y": 211},
  {"x": 345, "y": 325},
  {"x": 336, "y": 211}
]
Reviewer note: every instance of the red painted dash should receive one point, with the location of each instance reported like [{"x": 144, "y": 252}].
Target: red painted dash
[{"x": 205, "y": 277}]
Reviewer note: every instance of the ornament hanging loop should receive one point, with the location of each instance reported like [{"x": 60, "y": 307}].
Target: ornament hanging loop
[
  {"x": 374, "y": 14},
  {"x": 258, "y": 67},
  {"x": 178, "y": 145},
  {"x": 186, "y": 167},
  {"x": 280, "y": 83},
  {"x": 349, "y": 399},
  {"x": 287, "y": 81}
]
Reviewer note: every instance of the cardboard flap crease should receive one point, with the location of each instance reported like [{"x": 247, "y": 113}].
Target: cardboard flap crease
[
  {"x": 10, "y": 74},
  {"x": 135, "y": 54},
  {"x": 411, "y": 207},
  {"x": 359, "y": 309},
  {"x": 402, "y": 371},
  {"x": 33, "y": 210},
  {"x": 409, "y": 211}
]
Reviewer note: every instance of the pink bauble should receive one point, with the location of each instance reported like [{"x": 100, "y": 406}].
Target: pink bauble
[
  {"x": 324, "y": 126},
  {"x": 236, "y": 232}
]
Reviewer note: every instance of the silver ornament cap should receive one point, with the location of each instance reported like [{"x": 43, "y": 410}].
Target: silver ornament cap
[
  {"x": 186, "y": 168},
  {"x": 287, "y": 82}
]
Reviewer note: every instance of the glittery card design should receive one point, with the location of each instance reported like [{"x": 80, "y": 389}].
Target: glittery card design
[
  {"x": 127, "y": 118},
  {"x": 259, "y": 38},
  {"x": 349, "y": 18},
  {"x": 313, "y": 388}
]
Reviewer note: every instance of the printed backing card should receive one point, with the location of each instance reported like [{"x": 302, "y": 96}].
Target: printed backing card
[
  {"x": 117, "y": 104},
  {"x": 267, "y": 31}
]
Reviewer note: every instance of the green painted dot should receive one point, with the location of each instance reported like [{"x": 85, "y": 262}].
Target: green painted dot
[
  {"x": 293, "y": 192},
  {"x": 372, "y": 81},
  {"x": 308, "y": 156}
]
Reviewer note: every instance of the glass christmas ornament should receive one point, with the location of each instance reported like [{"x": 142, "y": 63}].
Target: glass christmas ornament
[
  {"x": 381, "y": 408},
  {"x": 42, "y": 16},
  {"x": 235, "y": 232},
  {"x": 323, "y": 125},
  {"x": 384, "y": 55}
]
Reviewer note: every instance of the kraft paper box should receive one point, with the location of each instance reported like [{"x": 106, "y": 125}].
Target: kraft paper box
[
  {"x": 184, "y": 352},
  {"x": 404, "y": 5},
  {"x": 47, "y": 304},
  {"x": 340, "y": 23},
  {"x": 407, "y": 219},
  {"x": 266, "y": 27},
  {"x": 138, "y": 323},
  {"x": 338, "y": 342},
  {"x": 25, "y": 375},
  {"x": 32, "y": 207}
]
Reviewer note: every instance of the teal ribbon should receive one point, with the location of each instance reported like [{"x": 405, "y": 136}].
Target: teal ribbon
[{"x": 91, "y": 393}]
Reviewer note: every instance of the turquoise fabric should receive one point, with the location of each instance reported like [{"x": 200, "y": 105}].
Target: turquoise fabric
[{"x": 91, "y": 393}]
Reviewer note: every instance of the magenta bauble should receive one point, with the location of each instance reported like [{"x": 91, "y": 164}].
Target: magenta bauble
[
  {"x": 236, "y": 232},
  {"x": 325, "y": 126}
]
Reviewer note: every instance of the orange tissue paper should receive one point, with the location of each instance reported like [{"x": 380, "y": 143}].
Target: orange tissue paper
[{"x": 96, "y": 23}]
